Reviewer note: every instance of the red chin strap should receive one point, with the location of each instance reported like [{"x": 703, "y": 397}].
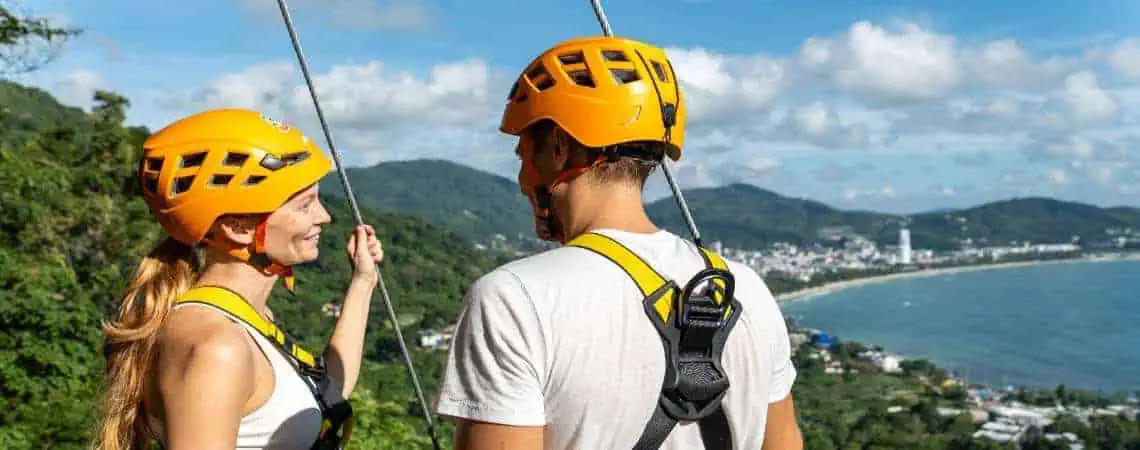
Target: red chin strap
[
  {"x": 273, "y": 268},
  {"x": 257, "y": 257},
  {"x": 546, "y": 225}
]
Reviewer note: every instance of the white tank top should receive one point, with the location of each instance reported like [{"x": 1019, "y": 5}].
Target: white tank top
[{"x": 289, "y": 420}]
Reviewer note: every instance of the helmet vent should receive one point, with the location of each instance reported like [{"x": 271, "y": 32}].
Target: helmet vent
[
  {"x": 220, "y": 180},
  {"x": 540, "y": 77},
  {"x": 614, "y": 55},
  {"x": 150, "y": 183},
  {"x": 193, "y": 160},
  {"x": 296, "y": 157},
  {"x": 582, "y": 78},
  {"x": 660, "y": 69},
  {"x": 154, "y": 164},
  {"x": 182, "y": 184},
  {"x": 234, "y": 159},
  {"x": 574, "y": 64},
  {"x": 253, "y": 180},
  {"x": 623, "y": 76},
  {"x": 572, "y": 58},
  {"x": 514, "y": 90}
]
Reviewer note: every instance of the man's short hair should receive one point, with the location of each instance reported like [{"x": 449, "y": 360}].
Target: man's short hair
[{"x": 625, "y": 169}]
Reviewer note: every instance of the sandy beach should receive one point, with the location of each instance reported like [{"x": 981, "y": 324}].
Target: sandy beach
[{"x": 847, "y": 284}]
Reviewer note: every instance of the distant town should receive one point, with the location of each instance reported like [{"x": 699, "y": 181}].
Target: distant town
[
  {"x": 840, "y": 249},
  {"x": 997, "y": 413}
]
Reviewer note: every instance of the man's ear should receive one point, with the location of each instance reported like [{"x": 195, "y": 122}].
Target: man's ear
[
  {"x": 560, "y": 146},
  {"x": 237, "y": 229}
]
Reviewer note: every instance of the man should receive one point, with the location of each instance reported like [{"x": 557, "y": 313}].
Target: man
[{"x": 559, "y": 350}]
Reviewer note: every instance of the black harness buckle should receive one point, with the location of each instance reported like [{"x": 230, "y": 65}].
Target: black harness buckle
[{"x": 695, "y": 381}]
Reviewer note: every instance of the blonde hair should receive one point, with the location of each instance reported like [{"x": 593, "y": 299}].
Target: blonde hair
[{"x": 166, "y": 272}]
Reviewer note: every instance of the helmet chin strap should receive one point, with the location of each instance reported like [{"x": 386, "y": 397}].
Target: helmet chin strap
[
  {"x": 258, "y": 258},
  {"x": 546, "y": 223}
]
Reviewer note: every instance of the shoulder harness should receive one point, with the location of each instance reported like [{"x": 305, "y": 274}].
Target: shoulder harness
[
  {"x": 694, "y": 326},
  {"x": 336, "y": 419}
]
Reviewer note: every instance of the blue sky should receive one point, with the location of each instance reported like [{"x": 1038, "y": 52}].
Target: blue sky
[{"x": 886, "y": 105}]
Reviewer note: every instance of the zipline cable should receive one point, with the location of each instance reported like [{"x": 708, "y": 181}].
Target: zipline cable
[
  {"x": 359, "y": 220},
  {"x": 606, "y": 30}
]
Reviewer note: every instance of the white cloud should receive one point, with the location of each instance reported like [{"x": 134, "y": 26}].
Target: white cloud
[
  {"x": 362, "y": 97},
  {"x": 255, "y": 87},
  {"x": 1079, "y": 104},
  {"x": 877, "y": 65},
  {"x": 351, "y": 14},
  {"x": 78, "y": 87},
  {"x": 1094, "y": 158},
  {"x": 1103, "y": 174},
  {"x": 1123, "y": 57},
  {"x": 376, "y": 111},
  {"x": 875, "y": 87},
  {"x": 816, "y": 124},
  {"x": 911, "y": 64},
  {"x": 1084, "y": 101},
  {"x": 1057, "y": 176},
  {"x": 1004, "y": 63},
  {"x": 720, "y": 87},
  {"x": 885, "y": 192}
]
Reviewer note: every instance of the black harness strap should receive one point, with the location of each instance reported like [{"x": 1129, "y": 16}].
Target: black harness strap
[{"x": 694, "y": 327}]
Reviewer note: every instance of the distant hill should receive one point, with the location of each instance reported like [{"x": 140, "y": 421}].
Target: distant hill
[
  {"x": 477, "y": 204},
  {"x": 471, "y": 203},
  {"x": 24, "y": 110},
  {"x": 746, "y": 216}
]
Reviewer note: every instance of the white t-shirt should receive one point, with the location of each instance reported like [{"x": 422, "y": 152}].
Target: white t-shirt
[{"x": 561, "y": 339}]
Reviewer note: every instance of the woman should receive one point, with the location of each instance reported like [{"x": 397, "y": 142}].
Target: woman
[{"x": 188, "y": 371}]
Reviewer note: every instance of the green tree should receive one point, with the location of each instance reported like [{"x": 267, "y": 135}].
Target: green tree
[{"x": 27, "y": 42}]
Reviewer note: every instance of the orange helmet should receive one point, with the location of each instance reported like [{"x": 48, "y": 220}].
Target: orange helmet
[
  {"x": 602, "y": 91},
  {"x": 225, "y": 161}
]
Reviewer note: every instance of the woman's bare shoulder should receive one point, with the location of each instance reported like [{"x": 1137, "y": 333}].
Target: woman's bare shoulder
[{"x": 197, "y": 341}]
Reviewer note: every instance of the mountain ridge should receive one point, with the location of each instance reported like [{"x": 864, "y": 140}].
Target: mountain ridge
[{"x": 737, "y": 214}]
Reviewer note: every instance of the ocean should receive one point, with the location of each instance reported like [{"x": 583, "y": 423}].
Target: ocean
[{"x": 1076, "y": 324}]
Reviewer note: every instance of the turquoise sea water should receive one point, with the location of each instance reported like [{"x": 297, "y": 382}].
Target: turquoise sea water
[{"x": 1076, "y": 324}]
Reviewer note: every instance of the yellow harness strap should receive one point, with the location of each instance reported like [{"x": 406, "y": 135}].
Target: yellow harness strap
[
  {"x": 648, "y": 280},
  {"x": 693, "y": 329},
  {"x": 230, "y": 302}
]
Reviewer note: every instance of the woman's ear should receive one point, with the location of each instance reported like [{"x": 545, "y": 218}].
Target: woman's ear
[{"x": 237, "y": 229}]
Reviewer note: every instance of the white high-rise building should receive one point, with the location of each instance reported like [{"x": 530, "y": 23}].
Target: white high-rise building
[{"x": 904, "y": 246}]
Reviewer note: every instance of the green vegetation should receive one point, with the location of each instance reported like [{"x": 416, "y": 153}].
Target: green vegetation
[
  {"x": 477, "y": 204},
  {"x": 865, "y": 408},
  {"x": 27, "y": 42},
  {"x": 472, "y": 203},
  {"x": 74, "y": 226}
]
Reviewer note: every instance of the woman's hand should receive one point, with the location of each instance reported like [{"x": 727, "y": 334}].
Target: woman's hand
[
  {"x": 346, "y": 345},
  {"x": 364, "y": 251}
]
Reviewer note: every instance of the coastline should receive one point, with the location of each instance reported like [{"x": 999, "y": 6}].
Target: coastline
[{"x": 837, "y": 286}]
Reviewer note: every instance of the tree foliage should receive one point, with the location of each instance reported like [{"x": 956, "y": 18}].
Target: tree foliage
[
  {"x": 72, "y": 228},
  {"x": 28, "y": 42}
]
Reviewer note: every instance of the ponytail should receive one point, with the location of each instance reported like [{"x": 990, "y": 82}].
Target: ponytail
[{"x": 164, "y": 274}]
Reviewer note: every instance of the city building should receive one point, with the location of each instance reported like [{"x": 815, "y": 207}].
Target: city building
[{"x": 904, "y": 246}]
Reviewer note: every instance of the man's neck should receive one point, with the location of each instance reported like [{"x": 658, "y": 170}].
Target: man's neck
[
  {"x": 617, "y": 207},
  {"x": 239, "y": 276}
]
